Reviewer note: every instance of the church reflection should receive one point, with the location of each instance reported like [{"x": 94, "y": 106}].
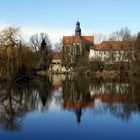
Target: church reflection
[
  {"x": 119, "y": 97},
  {"x": 76, "y": 95}
]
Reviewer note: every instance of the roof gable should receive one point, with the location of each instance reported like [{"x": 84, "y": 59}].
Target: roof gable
[
  {"x": 78, "y": 39},
  {"x": 56, "y": 55}
]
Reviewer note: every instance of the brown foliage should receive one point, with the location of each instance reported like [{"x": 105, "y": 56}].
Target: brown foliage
[{"x": 16, "y": 58}]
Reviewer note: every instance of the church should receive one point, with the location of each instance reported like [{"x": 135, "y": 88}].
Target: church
[
  {"x": 79, "y": 50},
  {"x": 75, "y": 48}
]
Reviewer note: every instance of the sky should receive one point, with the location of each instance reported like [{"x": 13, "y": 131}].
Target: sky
[{"x": 58, "y": 17}]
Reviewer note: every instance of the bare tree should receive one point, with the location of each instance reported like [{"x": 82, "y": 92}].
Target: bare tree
[
  {"x": 122, "y": 35},
  {"x": 36, "y": 40},
  {"x": 58, "y": 46},
  {"x": 42, "y": 46},
  {"x": 10, "y": 37},
  {"x": 137, "y": 54},
  {"x": 15, "y": 54},
  {"x": 126, "y": 40},
  {"x": 99, "y": 38}
]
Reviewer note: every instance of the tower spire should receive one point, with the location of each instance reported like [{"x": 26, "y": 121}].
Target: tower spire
[{"x": 78, "y": 29}]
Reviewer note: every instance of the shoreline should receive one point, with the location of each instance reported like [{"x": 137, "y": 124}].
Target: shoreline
[{"x": 104, "y": 74}]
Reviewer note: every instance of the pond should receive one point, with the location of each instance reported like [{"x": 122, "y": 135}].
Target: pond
[{"x": 61, "y": 107}]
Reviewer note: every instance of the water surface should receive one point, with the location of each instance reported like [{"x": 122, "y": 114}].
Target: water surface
[{"x": 71, "y": 108}]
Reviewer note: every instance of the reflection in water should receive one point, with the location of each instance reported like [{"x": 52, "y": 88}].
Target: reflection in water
[
  {"x": 76, "y": 95},
  {"x": 120, "y": 98},
  {"x": 117, "y": 97},
  {"x": 16, "y": 100}
]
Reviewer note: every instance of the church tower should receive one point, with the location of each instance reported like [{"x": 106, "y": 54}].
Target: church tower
[
  {"x": 78, "y": 29},
  {"x": 76, "y": 48}
]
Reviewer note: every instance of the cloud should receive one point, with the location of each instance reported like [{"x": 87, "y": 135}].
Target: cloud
[
  {"x": 3, "y": 25},
  {"x": 55, "y": 34}
]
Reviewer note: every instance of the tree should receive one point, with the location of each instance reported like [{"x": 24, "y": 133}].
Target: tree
[
  {"x": 123, "y": 34},
  {"x": 58, "y": 46},
  {"x": 126, "y": 40},
  {"x": 36, "y": 40},
  {"x": 99, "y": 38},
  {"x": 137, "y": 48},
  {"x": 137, "y": 53},
  {"x": 15, "y": 55},
  {"x": 42, "y": 46}
]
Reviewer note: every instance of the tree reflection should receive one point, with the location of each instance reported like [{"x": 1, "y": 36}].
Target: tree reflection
[
  {"x": 18, "y": 99},
  {"x": 119, "y": 97}
]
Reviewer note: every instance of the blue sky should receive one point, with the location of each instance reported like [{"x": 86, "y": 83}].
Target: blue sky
[{"x": 58, "y": 17}]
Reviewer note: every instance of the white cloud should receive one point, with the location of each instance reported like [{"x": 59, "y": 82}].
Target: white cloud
[
  {"x": 55, "y": 34},
  {"x": 3, "y": 25},
  {"x": 28, "y": 30}
]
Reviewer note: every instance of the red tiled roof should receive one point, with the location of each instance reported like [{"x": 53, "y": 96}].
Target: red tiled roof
[
  {"x": 56, "y": 55},
  {"x": 78, "y": 39},
  {"x": 57, "y": 86},
  {"x": 68, "y": 104},
  {"x": 115, "y": 98},
  {"x": 112, "y": 45}
]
